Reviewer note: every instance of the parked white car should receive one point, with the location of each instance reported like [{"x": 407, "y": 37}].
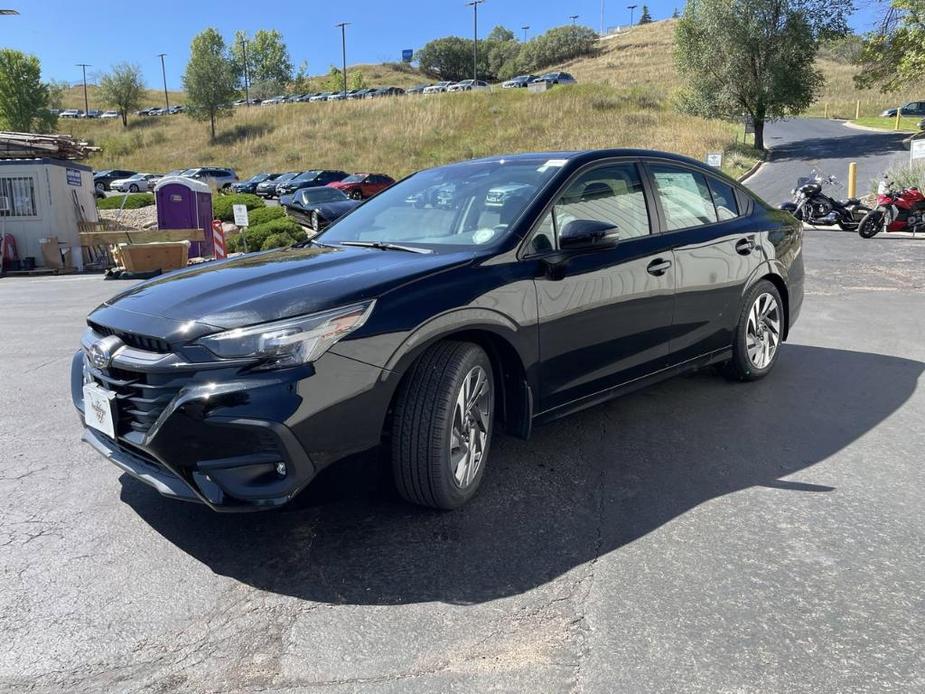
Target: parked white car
[
  {"x": 437, "y": 87},
  {"x": 216, "y": 178},
  {"x": 71, "y": 113},
  {"x": 109, "y": 114},
  {"x": 469, "y": 86},
  {"x": 139, "y": 183}
]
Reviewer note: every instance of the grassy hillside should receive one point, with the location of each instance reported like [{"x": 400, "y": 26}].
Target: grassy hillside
[
  {"x": 625, "y": 99},
  {"x": 74, "y": 98}
]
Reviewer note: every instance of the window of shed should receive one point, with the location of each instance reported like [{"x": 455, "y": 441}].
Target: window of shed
[{"x": 18, "y": 196}]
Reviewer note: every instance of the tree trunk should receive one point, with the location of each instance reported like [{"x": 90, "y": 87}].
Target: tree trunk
[
  {"x": 124, "y": 115},
  {"x": 759, "y": 134},
  {"x": 212, "y": 119}
]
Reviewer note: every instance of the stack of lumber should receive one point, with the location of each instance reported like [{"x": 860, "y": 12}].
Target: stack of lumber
[{"x": 31, "y": 145}]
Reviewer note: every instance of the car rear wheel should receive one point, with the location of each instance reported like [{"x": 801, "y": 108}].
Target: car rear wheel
[
  {"x": 442, "y": 426},
  {"x": 133, "y": 188},
  {"x": 758, "y": 335},
  {"x": 100, "y": 188},
  {"x": 356, "y": 194}
]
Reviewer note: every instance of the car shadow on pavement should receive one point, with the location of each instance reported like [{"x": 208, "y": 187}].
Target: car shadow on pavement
[{"x": 582, "y": 487}]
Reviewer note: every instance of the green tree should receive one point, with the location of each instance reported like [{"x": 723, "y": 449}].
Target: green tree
[
  {"x": 56, "y": 91},
  {"x": 122, "y": 88},
  {"x": 269, "y": 67},
  {"x": 645, "y": 17},
  {"x": 894, "y": 56},
  {"x": 500, "y": 33},
  {"x": 752, "y": 57},
  {"x": 334, "y": 82},
  {"x": 557, "y": 46},
  {"x": 209, "y": 79},
  {"x": 450, "y": 58},
  {"x": 301, "y": 82},
  {"x": 24, "y": 98},
  {"x": 357, "y": 80}
]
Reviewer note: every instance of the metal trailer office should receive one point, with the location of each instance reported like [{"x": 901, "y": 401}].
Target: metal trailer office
[{"x": 41, "y": 198}]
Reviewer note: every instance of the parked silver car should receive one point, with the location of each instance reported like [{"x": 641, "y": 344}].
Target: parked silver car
[
  {"x": 216, "y": 178},
  {"x": 139, "y": 183},
  {"x": 469, "y": 86}
]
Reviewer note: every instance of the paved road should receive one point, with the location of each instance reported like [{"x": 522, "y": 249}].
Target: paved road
[
  {"x": 801, "y": 145},
  {"x": 696, "y": 537}
]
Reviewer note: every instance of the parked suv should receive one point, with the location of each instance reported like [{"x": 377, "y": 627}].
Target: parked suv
[
  {"x": 424, "y": 331},
  {"x": 913, "y": 108},
  {"x": 360, "y": 186},
  {"x": 308, "y": 179},
  {"x": 552, "y": 78},
  {"x": 219, "y": 179}
]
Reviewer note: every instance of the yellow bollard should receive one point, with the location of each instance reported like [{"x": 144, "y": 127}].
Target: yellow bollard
[
  {"x": 826, "y": 110},
  {"x": 857, "y": 111},
  {"x": 852, "y": 179},
  {"x": 898, "y": 109}
]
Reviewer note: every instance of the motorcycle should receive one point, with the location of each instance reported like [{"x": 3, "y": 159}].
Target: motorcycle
[
  {"x": 902, "y": 210},
  {"x": 814, "y": 207}
]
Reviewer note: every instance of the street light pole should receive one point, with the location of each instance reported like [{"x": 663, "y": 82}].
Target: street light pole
[
  {"x": 343, "y": 47},
  {"x": 84, "y": 66},
  {"x": 631, "y": 8},
  {"x": 526, "y": 28},
  {"x": 573, "y": 17},
  {"x": 247, "y": 93},
  {"x": 602, "y": 18},
  {"x": 164, "y": 75},
  {"x": 475, "y": 43}
]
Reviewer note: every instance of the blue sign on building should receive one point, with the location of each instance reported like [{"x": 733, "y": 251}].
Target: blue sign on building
[
  {"x": 73, "y": 177},
  {"x": 407, "y": 55}
]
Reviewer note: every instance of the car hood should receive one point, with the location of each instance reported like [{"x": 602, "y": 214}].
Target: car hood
[
  {"x": 334, "y": 210},
  {"x": 279, "y": 284}
]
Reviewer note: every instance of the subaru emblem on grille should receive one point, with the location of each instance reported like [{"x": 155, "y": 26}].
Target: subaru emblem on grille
[{"x": 102, "y": 351}]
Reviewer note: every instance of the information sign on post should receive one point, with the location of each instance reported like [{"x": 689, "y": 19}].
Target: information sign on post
[
  {"x": 240, "y": 215},
  {"x": 715, "y": 159}
]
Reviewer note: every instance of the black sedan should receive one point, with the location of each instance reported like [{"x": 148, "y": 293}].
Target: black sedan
[
  {"x": 267, "y": 188},
  {"x": 554, "y": 281},
  {"x": 250, "y": 185},
  {"x": 317, "y": 207},
  {"x": 309, "y": 179},
  {"x": 519, "y": 82}
]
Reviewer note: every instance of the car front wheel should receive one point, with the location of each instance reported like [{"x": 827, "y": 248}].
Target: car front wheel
[
  {"x": 356, "y": 194},
  {"x": 100, "y": 188},
  {"x": 442, "y": 425},
  {"x": 133, "y": 188},
  {"x": 758, "y": 335}
]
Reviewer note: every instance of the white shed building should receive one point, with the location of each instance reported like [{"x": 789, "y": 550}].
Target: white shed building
[{"x": 41, "y": 198}]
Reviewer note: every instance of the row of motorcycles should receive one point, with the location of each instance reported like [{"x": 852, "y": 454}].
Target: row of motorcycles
[{"x": 896, "y": 209}]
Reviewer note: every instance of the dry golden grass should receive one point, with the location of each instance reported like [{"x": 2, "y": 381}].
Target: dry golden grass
[
  {"x": 401, "y": 135},
  {"x": 841, "y": 95},
  {"x": 74, "y": 98}
]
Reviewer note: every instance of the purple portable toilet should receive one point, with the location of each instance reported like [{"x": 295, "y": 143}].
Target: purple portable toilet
[{"x": 183, "y": 203}]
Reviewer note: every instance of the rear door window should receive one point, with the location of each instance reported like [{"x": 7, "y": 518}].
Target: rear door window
[
  {"x": 684, "y": 195},
  {"x": 727, "y": 207}
]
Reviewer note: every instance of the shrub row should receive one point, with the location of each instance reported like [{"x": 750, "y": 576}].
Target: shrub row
[
  {"x": 222, "y": 205},
  {"x": 274, "y": 233},
  {"x": 132, "y": 201}
]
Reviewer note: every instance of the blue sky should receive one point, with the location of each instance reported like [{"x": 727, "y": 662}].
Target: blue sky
[{"x": 62, "y": 33}]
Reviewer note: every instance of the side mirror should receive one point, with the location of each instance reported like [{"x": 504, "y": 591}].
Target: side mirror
[{"x": 587, "y": 233}]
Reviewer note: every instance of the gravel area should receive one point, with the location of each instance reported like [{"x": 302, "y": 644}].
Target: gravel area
[{"x": 142, "y": 218}]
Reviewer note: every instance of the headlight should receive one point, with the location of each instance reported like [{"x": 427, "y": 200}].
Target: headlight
[{"x": 289, "y": 342}]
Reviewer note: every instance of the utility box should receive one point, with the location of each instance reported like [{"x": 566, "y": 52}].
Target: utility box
[
  {"x": 46, "y": 198},
  {"x": 184, "y": 203}
]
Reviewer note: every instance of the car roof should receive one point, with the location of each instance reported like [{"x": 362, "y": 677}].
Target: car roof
[{"x": 584, "y": 156}]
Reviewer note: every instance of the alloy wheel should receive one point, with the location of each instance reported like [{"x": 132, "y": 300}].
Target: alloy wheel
[
  {"x": 471, "y": 422},
  {"x": 762, "y": 333}
]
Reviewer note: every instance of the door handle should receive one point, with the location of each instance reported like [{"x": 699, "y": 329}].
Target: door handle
[
  {"x": 658, "y": 267},
  {"x": 745, "y": 246}
]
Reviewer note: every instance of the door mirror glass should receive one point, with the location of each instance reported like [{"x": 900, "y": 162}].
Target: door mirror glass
[{"x": 587, "y": 233}]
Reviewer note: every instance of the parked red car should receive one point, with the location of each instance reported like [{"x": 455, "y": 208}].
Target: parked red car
[{"x": 360, "y": 186}]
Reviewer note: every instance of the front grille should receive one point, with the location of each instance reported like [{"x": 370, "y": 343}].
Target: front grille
[
  {"x": 141, "y": 397},
  {"x": 151, "y": 344}
]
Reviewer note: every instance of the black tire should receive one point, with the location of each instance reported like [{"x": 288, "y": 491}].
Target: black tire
[
  {"x": 741, "y": 367},
  {"x": 133, "y": 188},
  {"x": 100, "y": 187},
  {"x": 356, "y": 194},
  {"x": 316, "y": 222},
  {"x": 422, "y": 426},
  {"x": 871, "y": 224}
]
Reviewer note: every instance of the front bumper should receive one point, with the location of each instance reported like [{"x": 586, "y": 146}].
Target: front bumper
[{"x": 227, "y": 437}]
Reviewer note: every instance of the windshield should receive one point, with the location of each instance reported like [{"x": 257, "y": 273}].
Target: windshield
[
  {"x": 306, "y": 176},
  {"x": 468, "y": 204},
  {"x": 312, "y": 196},
  {"x": 285, "y": 177},
  {"x": 259, "y": 178}
]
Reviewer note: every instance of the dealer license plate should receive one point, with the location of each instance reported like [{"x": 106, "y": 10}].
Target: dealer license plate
[{"x": 100, "y": 409}]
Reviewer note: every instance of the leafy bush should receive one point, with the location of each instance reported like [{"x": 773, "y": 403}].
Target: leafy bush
[
  {"x": 222, "y": 205},
  {"x": 132, "y": 201},
  {"x": 903, "y": 176},
  {"x": 272, "y": 234},
  {"x": 261, "y": 215}
]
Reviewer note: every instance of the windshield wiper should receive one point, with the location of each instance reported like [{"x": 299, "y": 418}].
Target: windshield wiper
[{"x": 383, "y": 246}]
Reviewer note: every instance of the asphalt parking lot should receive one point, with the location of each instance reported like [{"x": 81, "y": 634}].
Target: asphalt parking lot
[{"x": 700, "y": 536}]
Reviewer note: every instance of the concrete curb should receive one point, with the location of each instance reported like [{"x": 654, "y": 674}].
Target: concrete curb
[
  {"x": 867, "y": 128},
  {"x": 757, "y": 167}
]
